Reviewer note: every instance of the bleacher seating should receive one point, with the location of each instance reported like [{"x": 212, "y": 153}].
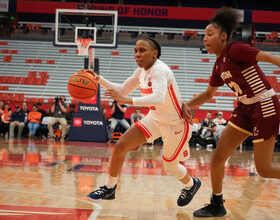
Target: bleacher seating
[{"x": 40, "y": 71}]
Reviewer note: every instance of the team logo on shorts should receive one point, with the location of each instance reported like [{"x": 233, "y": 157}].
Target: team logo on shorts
[
  {"x": 177, "y": 132},
  {"x": 255, "y": 131},
  {"x": 186, "y": 153}
]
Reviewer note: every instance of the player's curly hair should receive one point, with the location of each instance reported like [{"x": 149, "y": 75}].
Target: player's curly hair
[
  {"x": 226, "y": 18},
  {"x": 155, "y": 45}
]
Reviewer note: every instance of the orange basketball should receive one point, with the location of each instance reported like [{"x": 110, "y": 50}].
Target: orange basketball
[{"x": 82, "y": 87}]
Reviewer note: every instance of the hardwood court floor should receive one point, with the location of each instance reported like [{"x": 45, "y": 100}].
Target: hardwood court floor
[{"x": 50, "y": 180}]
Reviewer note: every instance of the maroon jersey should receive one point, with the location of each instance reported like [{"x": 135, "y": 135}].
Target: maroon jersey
[{"x": 237, "y": 67}]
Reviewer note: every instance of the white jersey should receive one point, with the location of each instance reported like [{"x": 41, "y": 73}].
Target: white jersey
[{"x": 159, "y": 91}]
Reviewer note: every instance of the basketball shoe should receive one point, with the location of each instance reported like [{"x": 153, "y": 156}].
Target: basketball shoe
[
  {"x": 214, "y": 209},
  {"x": 186, "y": 196},
  {"x": 103, "y": 193}
]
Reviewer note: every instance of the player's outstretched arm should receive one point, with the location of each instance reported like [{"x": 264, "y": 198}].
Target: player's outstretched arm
[
  {"x": 197, "y": 101},
  {"x": 269, "y": 58},
  {"x": 128, "y": 86},
  {"x": 203, "y": 97}
]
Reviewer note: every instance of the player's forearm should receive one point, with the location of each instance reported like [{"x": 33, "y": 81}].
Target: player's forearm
[
  {"x": 126, "y": 88},
  {"x": 126, "y": 101},
  {"x": 199, "y": 99},
  {"x": 106, "y": 84},
  {"x": 269, "y": 58},
  {"x": 149, "y": 100},
  {"x": 275, "y": 60}
]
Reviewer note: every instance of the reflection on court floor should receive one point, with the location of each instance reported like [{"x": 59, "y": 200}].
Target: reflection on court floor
[{"x": 50, "y": 180}]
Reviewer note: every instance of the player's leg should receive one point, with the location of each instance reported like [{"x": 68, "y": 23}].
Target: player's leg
[
  {"x": 263, "y": 153},
  {"x": 266, "y": 128},
  {"x": 176, "y": 149},
  {"x": 128, "y": 141},
  {"x": 191, "y": 184},
  {"x": 132, "y": 138},
  {"x": 230, "y": 139}
]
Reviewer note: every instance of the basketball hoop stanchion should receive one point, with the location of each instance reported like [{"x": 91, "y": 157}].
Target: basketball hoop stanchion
[{"x": 91, "y": 58}]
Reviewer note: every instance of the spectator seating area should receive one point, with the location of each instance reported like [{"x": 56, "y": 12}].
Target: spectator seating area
[
  {"x": 168, "y": 36},
  {"x": 35, "y": 71}
]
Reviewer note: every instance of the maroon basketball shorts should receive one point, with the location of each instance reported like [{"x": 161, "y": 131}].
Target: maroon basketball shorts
[{"x": 261, "y": 119}]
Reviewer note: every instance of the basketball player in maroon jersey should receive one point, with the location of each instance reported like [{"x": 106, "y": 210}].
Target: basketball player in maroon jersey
[{"x": 258, "y": 109}]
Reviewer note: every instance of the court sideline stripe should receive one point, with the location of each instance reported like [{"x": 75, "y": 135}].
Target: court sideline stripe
[{"x": 93, "y": 215}]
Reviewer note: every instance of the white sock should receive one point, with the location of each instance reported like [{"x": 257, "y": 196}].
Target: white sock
[
  {"x": 189, "y": 184},
  {"x": 218, "y": 194},
  {"x": 111, "y": 181}
]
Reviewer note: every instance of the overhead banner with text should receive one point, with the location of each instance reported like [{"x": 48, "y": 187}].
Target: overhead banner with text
[
  {"x": 139, "y": 11},
  {"x": 134, "y": 11}
]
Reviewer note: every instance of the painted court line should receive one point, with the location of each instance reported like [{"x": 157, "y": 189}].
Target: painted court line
[{"x": 93, "y": 215}]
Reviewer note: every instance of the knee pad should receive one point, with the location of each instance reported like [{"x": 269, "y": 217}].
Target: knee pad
[{"x": 175, "y": 169}]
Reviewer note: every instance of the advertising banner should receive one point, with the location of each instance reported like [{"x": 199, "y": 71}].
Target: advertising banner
[
  {"x": 88, "y": 127},
  {"x": 132, "y": 11},
  {"x": 140, "y": 11}
]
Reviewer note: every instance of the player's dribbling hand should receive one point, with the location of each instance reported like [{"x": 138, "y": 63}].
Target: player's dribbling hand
[
  {"x": 187, "y": 114},
  {"x": 112, "y": 94},
  {"x": 97, "y": 77}
]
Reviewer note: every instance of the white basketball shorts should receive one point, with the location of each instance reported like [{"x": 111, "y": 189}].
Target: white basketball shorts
[{"x": 176, "y": 136}]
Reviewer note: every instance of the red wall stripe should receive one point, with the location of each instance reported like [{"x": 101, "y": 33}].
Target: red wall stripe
[{"x": 266, "y": 17}]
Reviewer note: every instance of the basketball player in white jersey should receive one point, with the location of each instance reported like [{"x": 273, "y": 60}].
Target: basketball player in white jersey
[{"x": 160, "y": 92}]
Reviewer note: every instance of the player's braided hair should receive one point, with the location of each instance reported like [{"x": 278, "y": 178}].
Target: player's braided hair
[
  {"x": 155, "y": 45},
  {"x": 227, "y": 19}
]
